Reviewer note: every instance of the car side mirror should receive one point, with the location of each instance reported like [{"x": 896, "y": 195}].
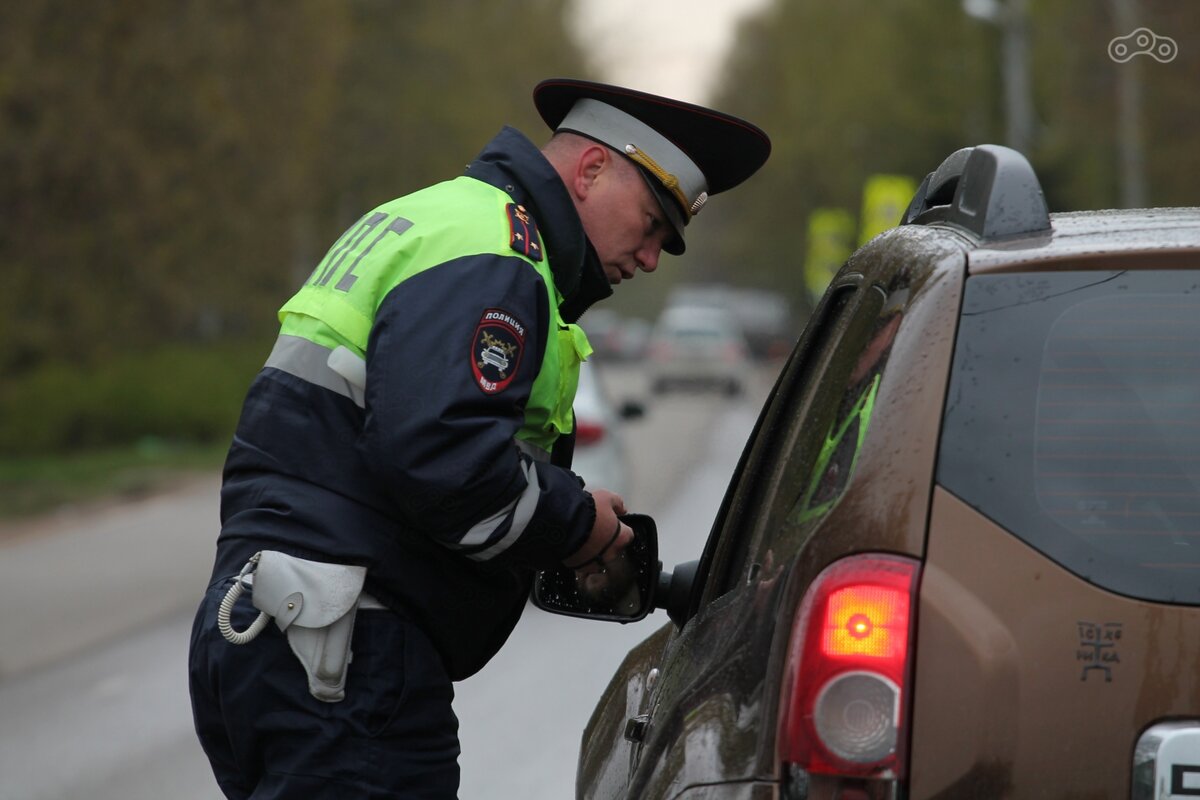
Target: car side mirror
[
  {"x": 558, "y": 591},
  {"x": 675, "y": 591},
  {"x": 631, "y": 409}
]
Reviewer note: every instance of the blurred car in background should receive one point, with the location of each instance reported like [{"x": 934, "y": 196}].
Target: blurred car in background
[
  {"x": 765, "y": 316},
  {"x": 698, "y": 346},
  {"x": 615, "y": 337},
  {"x": 600, "y": 457}
]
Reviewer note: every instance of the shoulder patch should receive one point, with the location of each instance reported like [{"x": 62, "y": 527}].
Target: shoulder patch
[
  {"x": 523, "y": 234},
  {"x": 496, "y": 350}
]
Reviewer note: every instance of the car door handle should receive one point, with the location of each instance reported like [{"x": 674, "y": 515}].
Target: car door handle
[{"x": 636, "y": 727}]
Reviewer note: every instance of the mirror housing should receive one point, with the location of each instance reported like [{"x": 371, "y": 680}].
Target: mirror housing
[
  {"x": 675, "y": 591},
  {"x": 557, "y": 590},
  {"x": 631, "y": 409}
]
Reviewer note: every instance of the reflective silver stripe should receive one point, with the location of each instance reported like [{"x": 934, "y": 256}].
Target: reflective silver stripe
[
  {"x": 533, "y": 451},
  {"x": 367, "y": 602},
  {"x": 312, "y": 362},
  {"x": 309, "y": 361},
  {"x": 526, "y": 505},
  {"x": 480, "y": 532}
]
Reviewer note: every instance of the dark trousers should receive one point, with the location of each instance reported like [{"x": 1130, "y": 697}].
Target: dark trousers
[{"x": 394, "y": 735}]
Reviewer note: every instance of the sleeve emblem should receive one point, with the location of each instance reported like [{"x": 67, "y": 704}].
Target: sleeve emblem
[
  {"x": 496, "y": 350},
  {"x": 523, "y": 234}
]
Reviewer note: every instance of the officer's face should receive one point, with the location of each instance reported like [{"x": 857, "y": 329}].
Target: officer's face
[{"x": 624, "y": 221}]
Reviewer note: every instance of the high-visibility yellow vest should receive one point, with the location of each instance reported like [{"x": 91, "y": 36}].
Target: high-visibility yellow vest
[{"x": 404, "y": 237}]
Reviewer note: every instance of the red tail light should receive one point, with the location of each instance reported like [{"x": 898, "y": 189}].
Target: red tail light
[
  {"x": 847, "y": 677},
  {"x": 588, "y": 432}
]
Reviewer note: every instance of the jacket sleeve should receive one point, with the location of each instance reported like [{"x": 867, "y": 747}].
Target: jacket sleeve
[{"x": 451, "y": 361}]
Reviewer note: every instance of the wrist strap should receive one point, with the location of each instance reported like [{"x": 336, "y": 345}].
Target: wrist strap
[{"x": 596, "y": 558}]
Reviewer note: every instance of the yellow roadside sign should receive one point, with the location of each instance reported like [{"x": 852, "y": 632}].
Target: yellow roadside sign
[
  {"x": 885, "y": 197},
  {"x": 830, "y": 242}
]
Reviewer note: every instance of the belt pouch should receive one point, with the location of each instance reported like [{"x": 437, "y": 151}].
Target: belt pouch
[{"x": 314, "y": 604}]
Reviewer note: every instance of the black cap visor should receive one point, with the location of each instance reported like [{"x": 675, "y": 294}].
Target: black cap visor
[{"x": 670, "y": 206}]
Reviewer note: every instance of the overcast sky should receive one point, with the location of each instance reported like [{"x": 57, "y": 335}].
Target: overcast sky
[{"x": 669, "y": 47}]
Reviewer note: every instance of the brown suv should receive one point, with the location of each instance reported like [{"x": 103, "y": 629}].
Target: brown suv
[{"x": 960, "y": 556}]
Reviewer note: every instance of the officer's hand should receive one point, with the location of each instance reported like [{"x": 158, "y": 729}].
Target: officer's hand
[
  {"x": 603, "y": 572},
  {"x": 608, "y": 537}
]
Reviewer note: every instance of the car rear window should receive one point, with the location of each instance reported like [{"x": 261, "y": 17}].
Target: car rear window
[{"x": 1073, "y": 421}]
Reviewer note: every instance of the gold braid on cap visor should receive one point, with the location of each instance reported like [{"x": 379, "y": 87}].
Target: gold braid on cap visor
[{"x": 669, "y": 181}]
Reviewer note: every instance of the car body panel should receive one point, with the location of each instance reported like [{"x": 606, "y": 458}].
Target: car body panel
[
  {"x": 1169, "y": 235},
  {"x": 706, "y": 713},
  {"x": 713, "y": 713},
  {"x": 735, "y": 790},
  {"x": 1022, "y": 669},
  {"x": 900, "y": 444},
  {"x": 1025, "y": 670},
  {"x": 607, "y": 756}
]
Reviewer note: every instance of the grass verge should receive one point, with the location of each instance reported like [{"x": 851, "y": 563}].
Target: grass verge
[{"x": 31, "y": 485}]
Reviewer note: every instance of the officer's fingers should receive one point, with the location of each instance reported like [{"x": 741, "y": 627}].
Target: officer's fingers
[
  {"x": 609, "y": 499},
  {"x": 624, "y": 538}
]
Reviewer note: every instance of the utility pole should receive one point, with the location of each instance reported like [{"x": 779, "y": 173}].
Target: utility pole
[
  {"x": 1012, "y": 17},
  {"x": 1130, "y": 148}
]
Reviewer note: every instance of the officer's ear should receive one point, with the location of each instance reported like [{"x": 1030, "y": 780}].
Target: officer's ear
[{"x": 593, "y": 161}]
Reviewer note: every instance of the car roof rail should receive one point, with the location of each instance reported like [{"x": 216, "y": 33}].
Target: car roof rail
[{"x": 987, "y": 190}]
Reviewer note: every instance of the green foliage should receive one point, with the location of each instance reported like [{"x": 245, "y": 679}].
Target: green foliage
[
  {"x": 148, "y": 188},
  {"x": 859, "y": 87},
  {"x": 34, "y": 484},
  {"x": 173, "y": 170},
  {"x": 171, "y": 393},
  {"x": 1078, "y": 99},
  {"x": 846, "y": 90},
  {"x": 170, "y": 172}
]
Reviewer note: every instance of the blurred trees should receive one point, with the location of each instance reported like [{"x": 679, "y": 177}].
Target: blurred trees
[
  {"x": 169, "y": 171},
  {"x": 859, "y": 87}
]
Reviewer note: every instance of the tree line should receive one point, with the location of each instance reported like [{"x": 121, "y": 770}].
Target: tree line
[
  {"x": 170, "y": 172},
  {"x": 863, "y": 87}
]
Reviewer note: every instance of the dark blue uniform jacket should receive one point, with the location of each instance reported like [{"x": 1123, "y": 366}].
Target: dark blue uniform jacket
[{"x": 315, "y": 475}]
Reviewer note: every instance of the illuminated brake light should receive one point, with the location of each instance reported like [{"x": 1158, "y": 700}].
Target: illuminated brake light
[
  {"x": 845, "y": 698},
  {"x": 869, "y": 621},
  {"x": 588, "y": 432}
]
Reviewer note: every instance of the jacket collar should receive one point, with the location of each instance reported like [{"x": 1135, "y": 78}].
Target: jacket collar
[{"x": 512, "y": 163}]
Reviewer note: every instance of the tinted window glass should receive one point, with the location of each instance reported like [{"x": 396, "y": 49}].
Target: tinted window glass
[
  {"x": 838, "y": 453},
  {"x": 1073, "y": 420},
  {"x": 738, "y": 535},
  {"x": 814, "y": 453}
]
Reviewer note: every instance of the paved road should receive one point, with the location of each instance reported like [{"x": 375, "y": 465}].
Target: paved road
[
  {"x": 523, "y": 715},
  {"x": 97, "y": 606}
]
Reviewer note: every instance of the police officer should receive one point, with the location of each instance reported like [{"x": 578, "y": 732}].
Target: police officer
[{"x": 400, "y": 468}]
